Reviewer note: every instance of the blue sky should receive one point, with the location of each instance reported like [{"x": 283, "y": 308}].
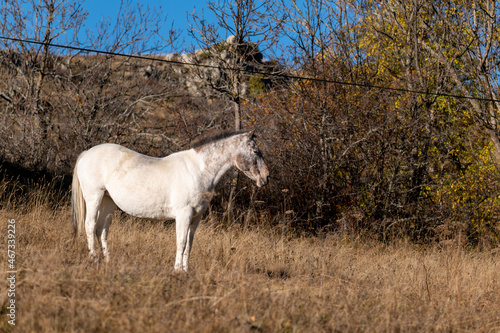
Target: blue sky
[{"x": 176, "y": 11}]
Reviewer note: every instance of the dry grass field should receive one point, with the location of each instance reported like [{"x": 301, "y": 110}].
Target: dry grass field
[{"x": 242, "y": 279}]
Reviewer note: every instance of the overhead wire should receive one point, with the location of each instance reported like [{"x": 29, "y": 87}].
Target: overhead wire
[{"x": 251, "y": 71}]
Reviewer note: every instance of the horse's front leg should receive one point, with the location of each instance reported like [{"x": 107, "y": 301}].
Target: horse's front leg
[
  {"x": 189, "y": 244},
  {"x": 182, "y": 223}
]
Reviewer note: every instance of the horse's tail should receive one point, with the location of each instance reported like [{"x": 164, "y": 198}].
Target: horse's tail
[{"x": 77, "y": 202}]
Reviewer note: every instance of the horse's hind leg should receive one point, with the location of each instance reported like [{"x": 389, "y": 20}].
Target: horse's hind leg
[{"x": 104, "y": 217}]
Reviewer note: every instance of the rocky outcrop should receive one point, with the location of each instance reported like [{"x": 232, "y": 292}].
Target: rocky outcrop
[{"x": 214, "y": 70}]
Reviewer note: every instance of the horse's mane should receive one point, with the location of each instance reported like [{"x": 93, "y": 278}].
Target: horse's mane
[{"x": 213, "y": 137}]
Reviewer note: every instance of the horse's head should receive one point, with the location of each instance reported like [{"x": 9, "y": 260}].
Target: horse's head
[{"x": 249, "y": 160}]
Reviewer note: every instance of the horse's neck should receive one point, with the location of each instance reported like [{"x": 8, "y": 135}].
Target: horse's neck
[{"x": 217, "y": 162}]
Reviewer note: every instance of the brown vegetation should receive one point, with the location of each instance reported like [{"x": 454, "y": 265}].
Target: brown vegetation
[{"x": 244, "y": 278}]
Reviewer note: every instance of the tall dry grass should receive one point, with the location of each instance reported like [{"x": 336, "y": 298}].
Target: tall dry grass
[{"x": 242, "y": 279}]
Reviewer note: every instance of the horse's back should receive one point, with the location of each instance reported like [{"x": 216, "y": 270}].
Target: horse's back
[{"x": 97, "y": 165}]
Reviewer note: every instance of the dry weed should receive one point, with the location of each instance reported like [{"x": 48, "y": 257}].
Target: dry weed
[{"x": 242, "y": 279}]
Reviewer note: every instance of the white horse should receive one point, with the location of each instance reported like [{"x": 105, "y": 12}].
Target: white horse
[{"x": 178, "y": 186}]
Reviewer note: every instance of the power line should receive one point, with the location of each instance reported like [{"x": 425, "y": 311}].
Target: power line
[{"x": 253, "y": 71}]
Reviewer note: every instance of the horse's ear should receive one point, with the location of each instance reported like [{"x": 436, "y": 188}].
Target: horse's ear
[{"x": 251, "y": 134}]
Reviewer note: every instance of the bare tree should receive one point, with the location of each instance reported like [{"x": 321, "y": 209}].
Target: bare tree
[
  {"x": 234, "y": 44},
  {"x": 56, "y": 101},
  {"x": 318, "y": 34}
]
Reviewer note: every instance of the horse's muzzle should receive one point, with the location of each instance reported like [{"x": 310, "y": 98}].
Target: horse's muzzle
[{"x": 262, "y": 181}]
